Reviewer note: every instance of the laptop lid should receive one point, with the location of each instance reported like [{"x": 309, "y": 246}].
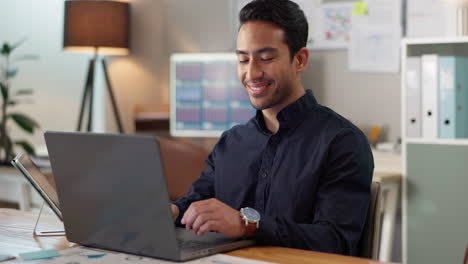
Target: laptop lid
[{"x": 113, "y": 193}]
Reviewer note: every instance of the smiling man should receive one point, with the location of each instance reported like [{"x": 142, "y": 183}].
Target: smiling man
[{"x": 297, "y": 174}]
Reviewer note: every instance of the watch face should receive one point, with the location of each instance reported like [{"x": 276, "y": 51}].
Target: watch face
[{"x": 251, "y": 214}]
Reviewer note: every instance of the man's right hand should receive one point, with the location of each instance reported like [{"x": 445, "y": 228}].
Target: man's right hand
[{"x": 175, "y": 211}]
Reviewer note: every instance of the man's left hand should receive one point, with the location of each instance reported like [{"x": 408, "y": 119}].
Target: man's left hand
[{"x": 213, "y": 215}]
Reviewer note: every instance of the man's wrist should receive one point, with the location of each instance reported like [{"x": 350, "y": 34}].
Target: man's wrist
[
  {"x": 250, "y": 218},
  {"x": 175, "y": 211}
]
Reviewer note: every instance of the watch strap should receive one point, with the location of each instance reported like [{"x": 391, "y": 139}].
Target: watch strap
[{"x": 250, "y": 229}]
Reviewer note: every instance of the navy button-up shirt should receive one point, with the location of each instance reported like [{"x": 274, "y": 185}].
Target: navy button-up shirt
[{"x": 310, "y": 181}]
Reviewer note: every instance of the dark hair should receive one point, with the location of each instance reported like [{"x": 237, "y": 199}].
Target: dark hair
[{"x": 285, "y": 14}]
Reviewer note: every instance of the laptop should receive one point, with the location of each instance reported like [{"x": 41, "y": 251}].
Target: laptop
[{"x": 113, "y": 195}]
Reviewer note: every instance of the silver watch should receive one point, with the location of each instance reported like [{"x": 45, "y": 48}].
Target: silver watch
[{"x": 250, "y": 216}]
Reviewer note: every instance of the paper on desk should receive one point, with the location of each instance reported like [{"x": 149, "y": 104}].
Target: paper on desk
[
  {"x": 375, "y": 38},
  {"x": 84, "y": 255}
]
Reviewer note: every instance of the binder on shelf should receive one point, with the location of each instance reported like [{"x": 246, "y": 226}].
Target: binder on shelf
[
  {"x": 453, "y": 87},
  {"x": 413, "y": 97},
  {"x": 429, "y": 95}
]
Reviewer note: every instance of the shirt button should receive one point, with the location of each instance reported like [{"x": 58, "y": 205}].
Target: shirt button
[{"x": 264, "y": 175}]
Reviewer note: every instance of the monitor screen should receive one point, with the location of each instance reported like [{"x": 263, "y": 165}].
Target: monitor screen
[{"x": 206, "y": 96}]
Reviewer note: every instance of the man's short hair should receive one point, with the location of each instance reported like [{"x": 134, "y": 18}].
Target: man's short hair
[{"x": 283, "y": 13}]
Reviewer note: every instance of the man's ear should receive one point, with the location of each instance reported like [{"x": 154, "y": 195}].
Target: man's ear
[{"x": 301, "y": 59}]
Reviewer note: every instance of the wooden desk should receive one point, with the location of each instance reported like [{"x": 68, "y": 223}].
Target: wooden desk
[{"x": 16, "y": 237}]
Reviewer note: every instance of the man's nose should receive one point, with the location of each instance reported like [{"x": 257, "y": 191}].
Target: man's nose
[{"x": 253, "y": 71}]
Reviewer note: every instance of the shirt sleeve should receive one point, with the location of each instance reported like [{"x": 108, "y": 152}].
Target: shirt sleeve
[
  {"x": 341, "y": 202},
  {"x": 201, "y": 189}
]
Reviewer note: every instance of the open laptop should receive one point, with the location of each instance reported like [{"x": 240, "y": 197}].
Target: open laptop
[{"x": 113, "y": 195}]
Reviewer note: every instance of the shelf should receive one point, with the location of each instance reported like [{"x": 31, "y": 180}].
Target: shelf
[
  {"x": 458, "y": 141},
  {"x": 152, "y": 121},
  {"x": 435, "y": 41}
]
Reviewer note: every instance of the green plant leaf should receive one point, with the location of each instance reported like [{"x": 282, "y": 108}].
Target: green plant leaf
[
  {"x": 12, "y": 72},
  {"x": 4, "y": 89},
  {"x": 9, "y": 148},
  {"x": 6, "y": 49},
  {"x": 24, "y": 122},
  {"x": 26, "y": 146},
  {"x": 24, "y": 92}
]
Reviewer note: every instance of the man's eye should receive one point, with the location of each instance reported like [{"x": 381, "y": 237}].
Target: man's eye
[
  {"x": 267, "y": 59},
  {"x": 243, "y": 61}
]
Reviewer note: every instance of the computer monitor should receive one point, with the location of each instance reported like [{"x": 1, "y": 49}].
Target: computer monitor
[{"x": 206, "y": 96}]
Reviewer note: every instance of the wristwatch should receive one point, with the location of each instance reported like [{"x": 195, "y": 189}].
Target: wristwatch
[{"x": 251, "y": 219}]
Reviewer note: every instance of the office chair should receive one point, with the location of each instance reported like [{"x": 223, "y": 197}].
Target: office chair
[
  {"x": 183, "y": 164},
  {"x": 369, "y": 244}
]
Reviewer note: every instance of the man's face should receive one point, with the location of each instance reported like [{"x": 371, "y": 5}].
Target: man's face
[{"x": 264, "y": 65}]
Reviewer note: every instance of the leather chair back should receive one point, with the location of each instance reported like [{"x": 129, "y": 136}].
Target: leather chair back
[
  {"x": 183, "y": 163},
  {"x": 369, "y": 244}
]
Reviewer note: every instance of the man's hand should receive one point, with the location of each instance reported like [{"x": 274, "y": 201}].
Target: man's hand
[
  {"x": 175, "y": 211},
  {"x": 213, "y": 215}
]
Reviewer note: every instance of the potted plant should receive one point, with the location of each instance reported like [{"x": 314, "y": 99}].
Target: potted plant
[{"x": 11, "y": 97}]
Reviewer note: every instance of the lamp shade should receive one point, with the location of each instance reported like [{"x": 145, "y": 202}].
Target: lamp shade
[{"x": 101, "y": 26}]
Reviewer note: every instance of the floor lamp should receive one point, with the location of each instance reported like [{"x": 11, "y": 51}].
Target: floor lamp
[{"x": 99, "y": 28}]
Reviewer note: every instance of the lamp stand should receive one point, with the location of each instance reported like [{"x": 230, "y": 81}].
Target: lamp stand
[{"x": 87, "y": 99}]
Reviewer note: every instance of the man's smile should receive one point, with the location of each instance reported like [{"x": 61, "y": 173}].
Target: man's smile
[{"x": 257, "y": 89}]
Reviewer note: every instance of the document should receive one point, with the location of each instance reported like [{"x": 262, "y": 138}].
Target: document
[
  {"x": 431, "y": 18},
  {"x": 86, "y": 255},
  {"x": 375, "y": 38},
  {"x": 329, "y": 24}
]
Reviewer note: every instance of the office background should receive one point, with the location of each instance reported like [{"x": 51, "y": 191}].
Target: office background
[
  {"x": 159, "y": 28},
  {"x": 141, "y": 79}
]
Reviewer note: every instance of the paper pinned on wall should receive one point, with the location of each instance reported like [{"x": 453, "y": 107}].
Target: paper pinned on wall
[
  {"x": 374, "y": 48},
  {"x": 431, "y": 18},
  {"x": 359, "y": 8},
  {"x": 375, "y": 38},
  {"x": 329, "y": 24}
]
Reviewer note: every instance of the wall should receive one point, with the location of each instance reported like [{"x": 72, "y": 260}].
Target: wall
[
  {"x": 367, "y": 99},
  {"x": 159, "y": 28},
  {"x": 56, "y": 78}
]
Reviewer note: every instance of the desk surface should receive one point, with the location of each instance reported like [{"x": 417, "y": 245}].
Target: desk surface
[{"x": 16, "y": 237}]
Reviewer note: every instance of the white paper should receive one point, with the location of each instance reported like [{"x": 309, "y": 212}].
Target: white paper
[
  {"x": 82, "y": 255},
  {"x": 374, "y": 48},
  {"x": 431, "y": 18},
  {"x": 375, "y": 38},
  {"x": 329, "y": 24}
]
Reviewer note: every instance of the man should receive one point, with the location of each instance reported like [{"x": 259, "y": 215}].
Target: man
[{"x": 299, "y": 173}]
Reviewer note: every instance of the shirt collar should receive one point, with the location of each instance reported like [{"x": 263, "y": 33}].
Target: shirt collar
[{"x": 290, "y": 116}]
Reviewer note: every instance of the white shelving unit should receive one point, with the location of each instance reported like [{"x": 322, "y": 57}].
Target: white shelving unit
[{"x": 448, "y": 149}]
